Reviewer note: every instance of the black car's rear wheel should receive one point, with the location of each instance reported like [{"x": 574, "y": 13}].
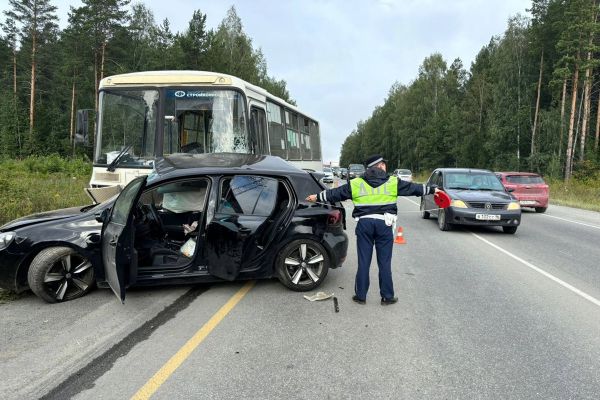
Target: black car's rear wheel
[
  {"x": 59, "y": 274},
  {"x": 442, "y": 220},
  {"x": 509, "y": 229},
  {"x": 424, "y": 214},
  {"x": 302, "y": 265}
]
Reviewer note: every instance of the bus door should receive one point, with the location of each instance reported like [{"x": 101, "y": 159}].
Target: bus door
[{"x": 258, "y": 130}]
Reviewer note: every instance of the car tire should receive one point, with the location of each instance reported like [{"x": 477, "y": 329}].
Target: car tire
[
  {"x": 509, "y": 229},
  {"x": 424, "y": 214},
  {"x": 59, "y": 274},
  {"x": 442, "y": 223},
  {"x": 302, "y": 265},
  {"x": 541, "y": 209}
]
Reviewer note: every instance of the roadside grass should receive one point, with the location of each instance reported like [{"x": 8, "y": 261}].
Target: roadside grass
[
  {"x": 39, "y": 184},
  {"x": 576, "y": 193}
]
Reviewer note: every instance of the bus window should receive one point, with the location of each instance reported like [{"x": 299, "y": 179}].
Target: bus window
[
  {"x": 293, "y": 140},
  {"x": 305, "y": 139},
  {"x": 315, "y": 140},
  {"x": 277, "y": 137}
]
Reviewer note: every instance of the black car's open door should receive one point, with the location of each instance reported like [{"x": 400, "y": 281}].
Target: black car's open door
[
  {"x": 236, "y": 234},
  {"x": 118, "y": 254}
]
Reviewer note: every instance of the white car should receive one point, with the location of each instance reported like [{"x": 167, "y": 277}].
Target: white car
[
  {"x": 328, "y": 178},
  {"x": 404, "y": 174}
]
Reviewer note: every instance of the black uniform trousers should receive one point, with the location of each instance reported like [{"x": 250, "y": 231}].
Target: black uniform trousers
[{"x": 374, "y": 232}]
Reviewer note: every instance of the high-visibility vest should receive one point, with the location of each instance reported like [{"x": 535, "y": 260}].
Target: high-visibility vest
[{"x": 365, "y": 195}]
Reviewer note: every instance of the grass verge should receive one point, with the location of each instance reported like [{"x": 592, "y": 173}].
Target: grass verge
[{"x": 39, "y": 184}]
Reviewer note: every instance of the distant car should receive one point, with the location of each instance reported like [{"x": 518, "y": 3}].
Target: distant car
[
  {"x": 328, "y": 178},
  {"x": 336, "y": 171},
  {"x": 404, "y": 174},
  {"x": 343, "y": 173},
  {"x": 195, "y": 218},
  {"x": 477, "y": 198},
  {"x": 529, "y": 188},
  {"x": 355, "y": 170}
]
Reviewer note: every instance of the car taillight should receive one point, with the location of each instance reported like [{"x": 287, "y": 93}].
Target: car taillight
[{"x": 334, "y": 217}]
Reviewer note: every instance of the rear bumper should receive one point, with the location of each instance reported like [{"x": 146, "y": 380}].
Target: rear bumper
[
  {"x": 337, "y": 247},
  {"x": 468, "y": 216},
  {"x": 533, "y": 201}
]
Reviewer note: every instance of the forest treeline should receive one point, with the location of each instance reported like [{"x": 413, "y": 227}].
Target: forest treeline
[
  {"x": 46, "y": 73},
  {"x": 530, "y": 101}
]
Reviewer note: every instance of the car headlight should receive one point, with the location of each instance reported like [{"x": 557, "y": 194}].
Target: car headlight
[
  {"x": 458, "y": 204},
  {"x": 6, "y": 239},
  {"x": 514, "y": 206}
]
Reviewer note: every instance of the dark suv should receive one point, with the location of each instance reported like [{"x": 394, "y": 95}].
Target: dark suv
[
  {"x": 355, "y": 170},
  {"x": 196, "y": 218}
]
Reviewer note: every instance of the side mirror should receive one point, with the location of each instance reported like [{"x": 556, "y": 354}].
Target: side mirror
[
  {"x": 82, "y": 127},
  {"x": 103, "y": 216}
]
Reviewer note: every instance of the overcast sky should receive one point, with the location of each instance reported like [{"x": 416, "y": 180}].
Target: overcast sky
[{"x": 340, "y": 57}]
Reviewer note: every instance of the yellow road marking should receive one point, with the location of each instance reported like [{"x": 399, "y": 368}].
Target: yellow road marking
[{"x": 184, "y": 352}]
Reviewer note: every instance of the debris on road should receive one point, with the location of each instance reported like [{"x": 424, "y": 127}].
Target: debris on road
[{"x": 319, "y": 296}]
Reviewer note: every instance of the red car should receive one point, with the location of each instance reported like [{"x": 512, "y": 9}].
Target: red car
[{"x": 529, "y": 188}]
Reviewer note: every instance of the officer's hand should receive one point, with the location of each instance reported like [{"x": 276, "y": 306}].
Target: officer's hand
[
  {"x": 312, "y": 198},
  {"x": 438, "y": 190}
]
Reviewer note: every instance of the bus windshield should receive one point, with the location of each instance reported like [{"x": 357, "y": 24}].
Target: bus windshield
[
  {"x": 127, "y": 117},
  {"x": 195, "y": 121}
]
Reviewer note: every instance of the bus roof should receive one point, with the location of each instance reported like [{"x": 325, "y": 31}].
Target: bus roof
[{"x": 189, "y": 78}]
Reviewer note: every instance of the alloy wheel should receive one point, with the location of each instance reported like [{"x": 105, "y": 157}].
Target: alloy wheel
[
  {"x": 304, "y": 264},
  {"x": 69, "y": 277}
]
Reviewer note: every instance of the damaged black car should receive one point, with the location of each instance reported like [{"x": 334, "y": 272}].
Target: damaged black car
[{"x": 195, "y": 218}]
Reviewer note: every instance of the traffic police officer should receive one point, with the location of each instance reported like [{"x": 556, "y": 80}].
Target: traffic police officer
[{"x": 374, "y": 195}]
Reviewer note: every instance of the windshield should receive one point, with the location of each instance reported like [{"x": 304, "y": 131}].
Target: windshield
[
  {"x": 326, "y": 169},
  {"x": 472, "y": 181},
  {"x": 195, "y": 121},
  {"x": 205, "y": 121},
  {"x": 127, "y": 117}
]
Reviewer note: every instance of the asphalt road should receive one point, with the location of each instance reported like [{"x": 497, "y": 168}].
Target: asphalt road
[{"x": 481, "y": 314}]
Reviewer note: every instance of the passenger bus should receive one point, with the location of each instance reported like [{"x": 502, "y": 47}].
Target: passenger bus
[{"x": 144, "y": 115}]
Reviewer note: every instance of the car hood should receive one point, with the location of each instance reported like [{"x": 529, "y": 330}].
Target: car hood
[
  {"x": 480, "y": 195},
  {"x": 42, "y": 217}
]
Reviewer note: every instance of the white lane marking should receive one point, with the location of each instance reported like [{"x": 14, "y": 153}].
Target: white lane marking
[
  {"x": 541, "y": 271},
  {"x": 573, "y": 222},
  {"x": 414, "y": 202}
]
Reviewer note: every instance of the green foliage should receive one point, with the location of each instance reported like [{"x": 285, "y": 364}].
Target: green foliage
[{"x": 38, "y": 184}]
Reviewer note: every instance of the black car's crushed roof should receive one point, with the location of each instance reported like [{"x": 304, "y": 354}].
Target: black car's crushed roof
[{"x": 215, "y": 162}]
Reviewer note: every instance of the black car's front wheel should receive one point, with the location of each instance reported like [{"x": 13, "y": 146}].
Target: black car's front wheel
[
  {"x": 59, "y": 274},
  {"x": 302, "y": 265},
  {"x": 509, "y": 229}
]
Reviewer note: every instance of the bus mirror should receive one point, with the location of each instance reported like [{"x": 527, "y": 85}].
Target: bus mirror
[{"x": 81, "y": 127}]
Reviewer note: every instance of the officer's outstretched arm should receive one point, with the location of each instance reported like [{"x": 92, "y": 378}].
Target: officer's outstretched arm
[
  {"x": 334, "y": 195},
  {"x": 414, "y": 189}
]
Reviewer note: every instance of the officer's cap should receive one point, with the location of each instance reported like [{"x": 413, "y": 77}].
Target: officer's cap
[{"x": 374, "y": 160}]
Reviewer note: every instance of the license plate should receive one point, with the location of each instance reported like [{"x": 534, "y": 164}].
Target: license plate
[
  {"x": 487, "y": 217},
  {"x": 527, "y": 202}
]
